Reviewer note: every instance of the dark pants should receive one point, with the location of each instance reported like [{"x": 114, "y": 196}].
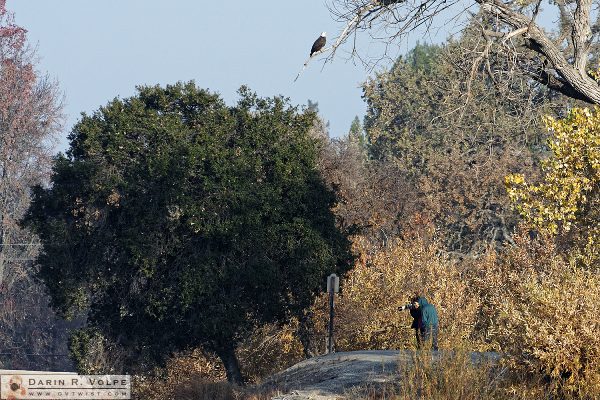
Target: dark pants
[
  {"x": 418, "y": 336},
  {"x": 426, "y": 334}
]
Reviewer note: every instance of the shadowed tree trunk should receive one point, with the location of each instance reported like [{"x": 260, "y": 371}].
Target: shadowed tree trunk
[
  {"x": 305, "y": 327},
  {"x": 232, "y": 366}
]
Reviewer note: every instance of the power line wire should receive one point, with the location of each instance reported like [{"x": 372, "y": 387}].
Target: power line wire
[
  {"x": 20, "y": 244},
  {"x": 34, "y": 354}
]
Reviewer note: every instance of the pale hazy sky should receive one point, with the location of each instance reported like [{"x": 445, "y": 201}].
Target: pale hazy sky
[{"x": 99, "y": 50}]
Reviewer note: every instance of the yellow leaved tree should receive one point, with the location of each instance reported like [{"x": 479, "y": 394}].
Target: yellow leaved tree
[{"x": 566, "y": 203}]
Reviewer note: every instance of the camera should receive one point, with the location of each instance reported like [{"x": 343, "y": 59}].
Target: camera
[{"x": 408, "y": 306}]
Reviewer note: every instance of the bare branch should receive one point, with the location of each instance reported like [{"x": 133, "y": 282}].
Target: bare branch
[
  {"x": 361, "y": 12},
  {"x": 307, "y": 61},
  {"x": 474, "y": 68},
  {"x": 350, "y": 27},
  {"x": 566, "y": 51},
  {"x": 541, "y": 43},
  {"x": 514, "y": 33}
]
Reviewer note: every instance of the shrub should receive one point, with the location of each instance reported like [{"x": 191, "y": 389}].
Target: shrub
[
  {"x": 566, "y": 202},
  {"x": 93, "y": 353},
  {"x": 192, "y": 368},
  {"x": 367, "y": 315},
  {"x": 542, "y": 311},
  {"x": 269, "y": 349}
]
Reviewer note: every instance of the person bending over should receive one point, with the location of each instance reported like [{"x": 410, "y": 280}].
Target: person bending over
[{"x": 425, "y": 321}]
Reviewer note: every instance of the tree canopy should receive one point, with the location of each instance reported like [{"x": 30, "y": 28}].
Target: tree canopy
[
  {"x": 454, "y": 139},
  {"x": 178, "y": 221}
]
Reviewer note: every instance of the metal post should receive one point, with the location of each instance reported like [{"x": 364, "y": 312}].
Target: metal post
[
  {"x": 333, "y": 287},
  {"x": 330, "y": 338}
]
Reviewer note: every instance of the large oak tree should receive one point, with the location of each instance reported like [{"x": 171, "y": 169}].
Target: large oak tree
[{"x": 181, "y": 222}]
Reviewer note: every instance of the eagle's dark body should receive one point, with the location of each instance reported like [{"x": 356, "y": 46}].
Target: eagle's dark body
[{"x": 318, "y": 45}]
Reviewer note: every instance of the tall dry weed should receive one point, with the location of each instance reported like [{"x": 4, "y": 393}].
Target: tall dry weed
[
  {"x": 270, "y": 349},
  {"x": 453, "y": 375},
  {"x": 181, "y": 371}
]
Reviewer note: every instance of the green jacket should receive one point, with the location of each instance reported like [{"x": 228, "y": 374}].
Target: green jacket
[{"x": 428, "y": 312}]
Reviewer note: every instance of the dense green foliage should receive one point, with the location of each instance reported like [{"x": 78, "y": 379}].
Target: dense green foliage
[
  {"x": 357, "y": 134},
  {"x": 178, "y": 221}
]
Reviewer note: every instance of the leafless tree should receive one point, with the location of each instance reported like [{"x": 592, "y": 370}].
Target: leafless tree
[
  {"x": 30, "y": 120},
  {"x": 559, "y": 58}
]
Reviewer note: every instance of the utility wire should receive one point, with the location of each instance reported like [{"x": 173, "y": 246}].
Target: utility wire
[
  {"x": 34, "y": 354},
  {"x": 20, "y": 244}
]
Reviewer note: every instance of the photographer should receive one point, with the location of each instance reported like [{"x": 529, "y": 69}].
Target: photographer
[{"x": 425, "y": 320}]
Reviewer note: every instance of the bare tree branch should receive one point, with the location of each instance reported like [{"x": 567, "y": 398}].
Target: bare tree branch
[
  {"x": 342, "y": 37},
  {"x": 574, "y": 76},
  {"x": 564, "y": 64}
]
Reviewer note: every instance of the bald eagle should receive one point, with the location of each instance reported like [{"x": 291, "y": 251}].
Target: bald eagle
[{"x": 318, "y": 44}]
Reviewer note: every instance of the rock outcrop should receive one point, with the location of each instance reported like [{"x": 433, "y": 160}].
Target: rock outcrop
[{"x": 335, "y": 375}]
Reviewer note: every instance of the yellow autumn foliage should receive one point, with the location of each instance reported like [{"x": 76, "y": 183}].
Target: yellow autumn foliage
[
  {"x": 367, "y": 315},
  {"x": 567, "y": 201}
]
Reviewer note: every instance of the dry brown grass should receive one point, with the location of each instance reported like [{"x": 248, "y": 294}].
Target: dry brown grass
[
  {"x": 197, "y": 387},
  {"x": 200, "y": 390},
  {"x": 453, "y": 376}
]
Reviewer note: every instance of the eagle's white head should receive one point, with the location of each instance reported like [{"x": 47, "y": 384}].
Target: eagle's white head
[{"x": 323, "y": 34}]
